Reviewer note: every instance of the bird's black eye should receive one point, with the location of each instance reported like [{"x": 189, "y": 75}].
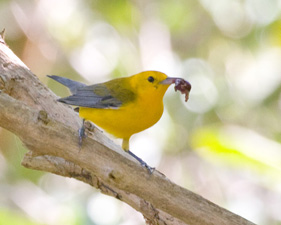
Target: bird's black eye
[{"x": 150, "y": 79}]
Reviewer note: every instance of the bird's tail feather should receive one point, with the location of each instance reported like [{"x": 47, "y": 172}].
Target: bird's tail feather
[{"x": 71, "y": 84}]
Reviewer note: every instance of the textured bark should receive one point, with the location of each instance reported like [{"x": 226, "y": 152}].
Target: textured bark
[{"x": 49, "y": 130}]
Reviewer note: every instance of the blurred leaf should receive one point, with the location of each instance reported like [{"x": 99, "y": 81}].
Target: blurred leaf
[
  {"x": 13, "y": 218},
  {"x": 214, "y": 144},
  {"x": 274, "y": 33},
  {"x": 178, "y": 15},
  {"x": 122, "y": 14}
]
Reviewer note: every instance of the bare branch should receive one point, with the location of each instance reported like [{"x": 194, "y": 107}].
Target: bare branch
[{"x": 49, "y": 130}]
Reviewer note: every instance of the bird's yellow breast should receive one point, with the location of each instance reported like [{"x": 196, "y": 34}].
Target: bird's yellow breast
[{"x": 129, "y": 119}]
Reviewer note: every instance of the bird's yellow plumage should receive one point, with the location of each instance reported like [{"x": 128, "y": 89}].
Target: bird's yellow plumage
[
  {"x": 133, "y": 116},
  {"x": 123, "y": 106}
]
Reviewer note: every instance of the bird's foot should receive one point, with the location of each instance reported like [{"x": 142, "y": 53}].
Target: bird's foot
[
  {"x": 81, "y": 133},
  {"x": 149, "y": 168},
  {"x": 143, "y": 163}
]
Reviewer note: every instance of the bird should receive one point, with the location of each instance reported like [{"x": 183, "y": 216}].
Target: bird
[{"x": 122, "y": 106}]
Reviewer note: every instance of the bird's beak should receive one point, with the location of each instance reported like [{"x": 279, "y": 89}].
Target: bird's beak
[{"x": 169, "y": 80}]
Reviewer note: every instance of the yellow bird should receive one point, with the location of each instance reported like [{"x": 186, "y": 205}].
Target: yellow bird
[{"x": 122, "y": 106}]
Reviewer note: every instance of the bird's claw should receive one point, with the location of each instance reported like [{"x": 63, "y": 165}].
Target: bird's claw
[
  {"x": 81, "y": 133},
  {"x": 143, "y": 163},
  {"x": 149, "y": 168}
]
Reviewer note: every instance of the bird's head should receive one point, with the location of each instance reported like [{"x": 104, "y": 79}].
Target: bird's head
[{"x": 154, "y": 83}]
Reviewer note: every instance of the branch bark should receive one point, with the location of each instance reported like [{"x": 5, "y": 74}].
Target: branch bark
[{"x": 49, "y": 130}]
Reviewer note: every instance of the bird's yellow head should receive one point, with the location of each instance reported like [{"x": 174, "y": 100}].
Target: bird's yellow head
[{"x": 150, "y": 83}]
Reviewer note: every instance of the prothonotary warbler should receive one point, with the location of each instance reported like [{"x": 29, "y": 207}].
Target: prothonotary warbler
[{"x": 122, "y": 106}]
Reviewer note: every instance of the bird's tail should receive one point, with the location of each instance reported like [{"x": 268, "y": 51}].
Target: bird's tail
[{"x": 71, "y": 84}]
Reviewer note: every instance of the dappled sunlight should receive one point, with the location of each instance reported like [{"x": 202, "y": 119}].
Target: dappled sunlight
[
  {"x": 204, "y": 94},
  {"x": 99, "y": 56},
  {"x": 259, "y": 78}
]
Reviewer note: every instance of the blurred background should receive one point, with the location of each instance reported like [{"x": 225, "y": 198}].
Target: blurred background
[{"x": 223, "y": 144}]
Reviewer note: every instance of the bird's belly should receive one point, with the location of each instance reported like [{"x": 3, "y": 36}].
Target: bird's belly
[{"x": 124, "y": 121}]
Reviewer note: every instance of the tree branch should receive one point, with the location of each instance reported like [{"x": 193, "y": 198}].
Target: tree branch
[{"x": 49, "y": 130}]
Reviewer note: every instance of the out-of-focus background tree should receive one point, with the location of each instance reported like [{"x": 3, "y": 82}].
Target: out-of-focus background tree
[{"x": 224, "y": 144}]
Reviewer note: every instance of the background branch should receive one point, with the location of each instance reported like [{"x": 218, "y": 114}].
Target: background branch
[{"x": 49, "y": 130}]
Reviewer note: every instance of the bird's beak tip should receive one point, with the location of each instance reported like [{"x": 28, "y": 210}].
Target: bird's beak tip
[{"x": 168, "y": 80}]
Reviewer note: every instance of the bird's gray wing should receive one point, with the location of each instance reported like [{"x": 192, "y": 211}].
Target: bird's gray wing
[
  {"x": 97, "y": 95},
  {"x": 93, "y": 96}
]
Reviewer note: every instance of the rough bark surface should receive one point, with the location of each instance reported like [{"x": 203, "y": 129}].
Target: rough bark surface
[{"x": 49, "y": 130}]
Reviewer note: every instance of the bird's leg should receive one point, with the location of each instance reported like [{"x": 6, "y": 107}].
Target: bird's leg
[
  {"x": 143, "y": 163},
  {"x": 81, "y": 133},
  {"x": 125, "y": 146}
]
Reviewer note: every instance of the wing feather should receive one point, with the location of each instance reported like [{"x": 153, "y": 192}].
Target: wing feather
[{"x": 100, "y": 96}]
